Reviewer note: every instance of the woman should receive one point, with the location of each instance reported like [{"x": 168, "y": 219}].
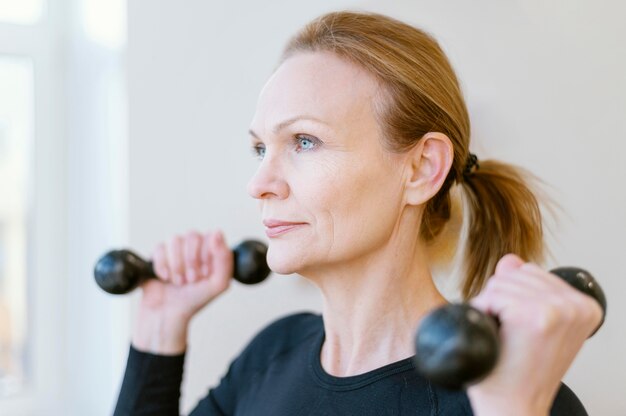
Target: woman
[{"x": 362, "y": 134}]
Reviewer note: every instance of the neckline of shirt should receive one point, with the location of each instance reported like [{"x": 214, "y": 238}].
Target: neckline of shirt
[{"x": 351, "y": 382}]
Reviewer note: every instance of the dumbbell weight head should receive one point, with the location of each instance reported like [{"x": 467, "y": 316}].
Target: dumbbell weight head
[
  {"x": 250, "y": 258},
  {"x": 457, "y": 345},
  {"x": 121, "y": 271},
  {"x": 585, "y": 282}
]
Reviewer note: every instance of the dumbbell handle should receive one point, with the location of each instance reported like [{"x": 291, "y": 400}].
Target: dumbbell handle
[
  {"x": 457, "y": 345},
  {"x": 120, "y": 271}
]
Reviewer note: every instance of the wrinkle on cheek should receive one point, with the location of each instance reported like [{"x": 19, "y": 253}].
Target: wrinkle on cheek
[
  {"x": 327, "y": 168},
  {"x": 331, "y": 224},
  {"x": 328, "y": 208}
]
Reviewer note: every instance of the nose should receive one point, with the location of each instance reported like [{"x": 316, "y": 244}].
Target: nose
[{"x": 268, "y": 181}]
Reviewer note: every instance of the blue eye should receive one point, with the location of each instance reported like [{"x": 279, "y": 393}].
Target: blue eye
[
  {"x": 302, "y": 143},
  {"x": 258, "y": 151},
  {"x": 302, "y": 140}
]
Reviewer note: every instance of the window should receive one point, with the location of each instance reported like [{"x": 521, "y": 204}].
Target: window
[
  {"x": 21, "y": 11},
  {"x": 31, "y": 207},
  {"x": 16, "y": 125},
  {"x": 62, "y": 101}
]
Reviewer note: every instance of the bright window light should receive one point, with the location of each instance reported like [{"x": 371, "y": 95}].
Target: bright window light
[
  {"x": 16, "y": 129},
  {"x": 105, "y": 22},
  {"x": 21, "y": 11}
]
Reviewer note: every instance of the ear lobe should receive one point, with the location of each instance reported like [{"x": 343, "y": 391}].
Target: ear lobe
[{"x": 430, "y": 161}]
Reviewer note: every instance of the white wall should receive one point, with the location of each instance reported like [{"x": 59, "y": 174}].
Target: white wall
[{"x": 545, "y": 85}]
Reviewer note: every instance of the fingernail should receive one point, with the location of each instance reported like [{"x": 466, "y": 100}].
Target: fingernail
[{"x": 205, "y": 270}]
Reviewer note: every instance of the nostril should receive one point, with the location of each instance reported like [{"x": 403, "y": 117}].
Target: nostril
[{"x": 257, "y": 189}]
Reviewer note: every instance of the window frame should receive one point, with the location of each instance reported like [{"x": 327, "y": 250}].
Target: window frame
[
  {"x": 78, "y": 208},
  {"x": 45, "y": 216}
]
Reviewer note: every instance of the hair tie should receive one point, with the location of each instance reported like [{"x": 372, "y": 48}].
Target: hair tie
[{"x": 471, "y": 165}]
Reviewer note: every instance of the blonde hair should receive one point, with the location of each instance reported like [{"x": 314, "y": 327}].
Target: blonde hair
[{"x": 421, "y": 94}]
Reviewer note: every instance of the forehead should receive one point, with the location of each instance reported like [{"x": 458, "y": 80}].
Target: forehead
[{"x": 317, "y": 84}]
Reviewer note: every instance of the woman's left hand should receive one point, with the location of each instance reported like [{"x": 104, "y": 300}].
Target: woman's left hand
[{"x": 544, "y": 323}]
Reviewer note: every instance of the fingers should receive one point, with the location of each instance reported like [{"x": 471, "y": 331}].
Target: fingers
[
  {"x": 194, "y": 257},
  {"x": 526, "y": 274},
  {"x": 508, "y": 262},
  {"x": 206, "y": 255},
  {"x": 192, "y": 245},
  {"x": 160, "y": 263},
  {"x": 222, "y": 262},
  {"x": 169, "y": 264},
  {"x": 524, "y": 293},
  {"x": 176, "y": 260},
  {"x": 507, "y": 279}
]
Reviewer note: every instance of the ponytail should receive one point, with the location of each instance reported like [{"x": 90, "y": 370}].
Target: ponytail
[{"x": 504, "y": 217}]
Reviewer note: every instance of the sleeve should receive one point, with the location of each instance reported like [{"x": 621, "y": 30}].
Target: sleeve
[
  {"x": 221, "y": 399},
  {"x": 151, "y": 386},
  {"x": 566, "y": 403}
]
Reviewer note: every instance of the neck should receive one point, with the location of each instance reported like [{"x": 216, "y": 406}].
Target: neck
[{"x": 372, "y": 307}]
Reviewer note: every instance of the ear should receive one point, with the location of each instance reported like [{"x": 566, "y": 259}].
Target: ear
[{"x": 428, "y": 165}]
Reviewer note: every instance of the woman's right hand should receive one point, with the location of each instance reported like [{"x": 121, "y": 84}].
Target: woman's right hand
[
  {"x": 544, "y": 322},
  {"x": 192, "y": 271}
]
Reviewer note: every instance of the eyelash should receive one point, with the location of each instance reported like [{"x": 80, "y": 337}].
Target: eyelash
[{"x": 257, "y": 148}]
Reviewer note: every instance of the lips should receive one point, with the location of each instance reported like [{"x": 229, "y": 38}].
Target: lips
[
  {"x": 277, "y": 227},
  {"x": 271, "y": 223}
]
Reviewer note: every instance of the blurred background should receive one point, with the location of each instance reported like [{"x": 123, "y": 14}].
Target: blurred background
[{"x": 123, "y": 123}]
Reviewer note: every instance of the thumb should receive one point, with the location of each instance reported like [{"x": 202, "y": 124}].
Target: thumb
[
  {"x": 509, "y": 262},
  {"x": 484, "y": 301}
]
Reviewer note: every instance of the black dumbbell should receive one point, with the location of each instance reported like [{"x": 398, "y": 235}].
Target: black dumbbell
[
  {"x": 121, "y": 271},
  {"x": 457, "y": 345}
]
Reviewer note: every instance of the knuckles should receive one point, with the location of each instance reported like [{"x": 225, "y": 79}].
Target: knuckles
[
  {"x": 184, "y": 258},
  {"x": 546, "y": 308},
  {"x": 546, "y": 320},
  {"x": 564, "y": 314}
]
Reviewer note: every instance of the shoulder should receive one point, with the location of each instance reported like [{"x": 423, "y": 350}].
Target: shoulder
[
  {"x": 567, "y": 403},
  {"x": 280, "y": 337}
]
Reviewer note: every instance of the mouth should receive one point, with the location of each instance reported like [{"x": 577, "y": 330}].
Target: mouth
[{"x": 274, "y": 228}]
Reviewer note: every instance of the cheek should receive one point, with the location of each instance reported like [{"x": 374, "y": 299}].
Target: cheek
[
  {"x": 351, "y": 203},
  {"x": 332, "y": 186}
]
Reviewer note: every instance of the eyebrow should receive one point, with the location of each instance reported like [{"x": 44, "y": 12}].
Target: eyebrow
[{"x": 288, "y": 122}]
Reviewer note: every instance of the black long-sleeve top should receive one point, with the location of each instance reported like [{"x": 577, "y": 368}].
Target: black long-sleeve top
[{"x": 279, "y": 374}]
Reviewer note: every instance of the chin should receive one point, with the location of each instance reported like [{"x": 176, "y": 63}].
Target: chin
[{"x": 283, "y": 261}]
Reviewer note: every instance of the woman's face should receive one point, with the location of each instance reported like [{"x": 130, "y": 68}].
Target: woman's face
[{"x": 322, "y": 164}]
